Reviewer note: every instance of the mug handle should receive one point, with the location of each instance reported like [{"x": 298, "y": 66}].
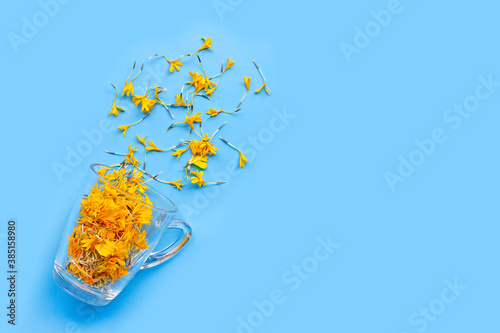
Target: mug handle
[{"x": 158, "y": 257}]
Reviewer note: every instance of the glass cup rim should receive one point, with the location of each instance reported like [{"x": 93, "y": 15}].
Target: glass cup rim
[{"x": 94, "y": 166}]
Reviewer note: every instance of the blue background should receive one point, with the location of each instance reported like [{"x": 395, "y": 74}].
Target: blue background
[{"x": 322, "y": 175}]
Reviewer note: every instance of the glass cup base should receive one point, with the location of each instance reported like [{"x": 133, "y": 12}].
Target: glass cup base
[{"x": 77, "y": 289}]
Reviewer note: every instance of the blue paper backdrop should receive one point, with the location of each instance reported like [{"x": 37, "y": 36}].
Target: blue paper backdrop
[{"x": 370, "y": 200}]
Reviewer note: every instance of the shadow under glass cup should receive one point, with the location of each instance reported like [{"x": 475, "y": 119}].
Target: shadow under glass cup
[{"x": 164, "y": 220}]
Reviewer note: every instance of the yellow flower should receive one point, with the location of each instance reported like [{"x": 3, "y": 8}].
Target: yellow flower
[
  {"x": 137, "y": 99},
  {"x": 130, "y": 158},
  {"x": 158, "y": 90},
  {"x": 209, "y": 84},
  {"x": 131, "y": 150},
  {"x": 177, "y": 184},
  {"x": 141, "y": 140},
  {"x": 179, "y": 101},
  {"x": 197, "y": 178},
  {"x": 265, "y": 88},
  {"x": 210, "y": 91},
  {"x": 207, "y": 44},
  {"x": 200, "y": 84},
  {"x": 210, "y": 87},
  {"x": 174, "y": 64},
  {"x": 124, "y": 128},
  {"x": 203, "y": 147},
  {"x": 196, "y": 147},
  {"x": 152, "y": 147},
  {"x": 230, "y": 64},
  {"x": 128, "y": 88},
  {"x": 243, "y": 159},
  {"x": 148, "y": 104},
  {"x": 115, "y": 109},
  {"x": 195, "y": 77},
  {"x": 179, "y": 152},
  {"x": 247, "y": 82},
  {"x": 213, "y": 112},
  {"x": 190, "y": 118},
  {"x": 211, "y": 149},
  {"x": 199, "y": 161}
]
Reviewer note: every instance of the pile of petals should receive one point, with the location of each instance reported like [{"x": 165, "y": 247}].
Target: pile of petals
[
  {"x": 199, "y": 85},
  {"x": 108, "y": 233}
]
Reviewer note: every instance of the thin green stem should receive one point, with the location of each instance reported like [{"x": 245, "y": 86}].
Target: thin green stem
[
  {"x": 116, "y": 91},
  {"x": 158, "y": 55},
  {"x": 197, "y": 133},
  {"x": 230, "y": 145},
  {"x": 265, "y": 82},
  {"x": 154, "y": 177},
  {"x": 245, "y": 95},
  {"x": 192, "y": 96},
  {"x": 146, "y": 91},
  {"x": 259, "y": 70},
  {"x": 112, "y": 153},
  {"x": 231, "y": 111},
  {"x": 151, "y": 176},
  {"x": 174, "y": 124},
  {"x": 202, "y": 67},
  {"x": 142, "y": 66},
  {"x": 166, "y": 107},
  {"x": 214, "y": 183},
  {"x": 217, "y": 130},
  {"x": 222, "y": 70},
  {"x": 140, "y": 120},
  {"x": 133, "y": 67},
  {"x": 176, "y": 146}
]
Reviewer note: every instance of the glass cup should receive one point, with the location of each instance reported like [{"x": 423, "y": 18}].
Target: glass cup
[{"x": 165, "y": 221}]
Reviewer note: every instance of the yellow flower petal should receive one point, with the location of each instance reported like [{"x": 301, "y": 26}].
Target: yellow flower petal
[
  {"x": 247, "y": 82},
  {"x": 230, "y": 64},
  {"x": 124, "y": 128},
  {"x": 207, "y": 44},
  {"x": 243, "y": 160}
]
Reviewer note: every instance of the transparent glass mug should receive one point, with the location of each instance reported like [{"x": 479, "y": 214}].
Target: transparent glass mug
[{"x": 165, "y": 219}]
